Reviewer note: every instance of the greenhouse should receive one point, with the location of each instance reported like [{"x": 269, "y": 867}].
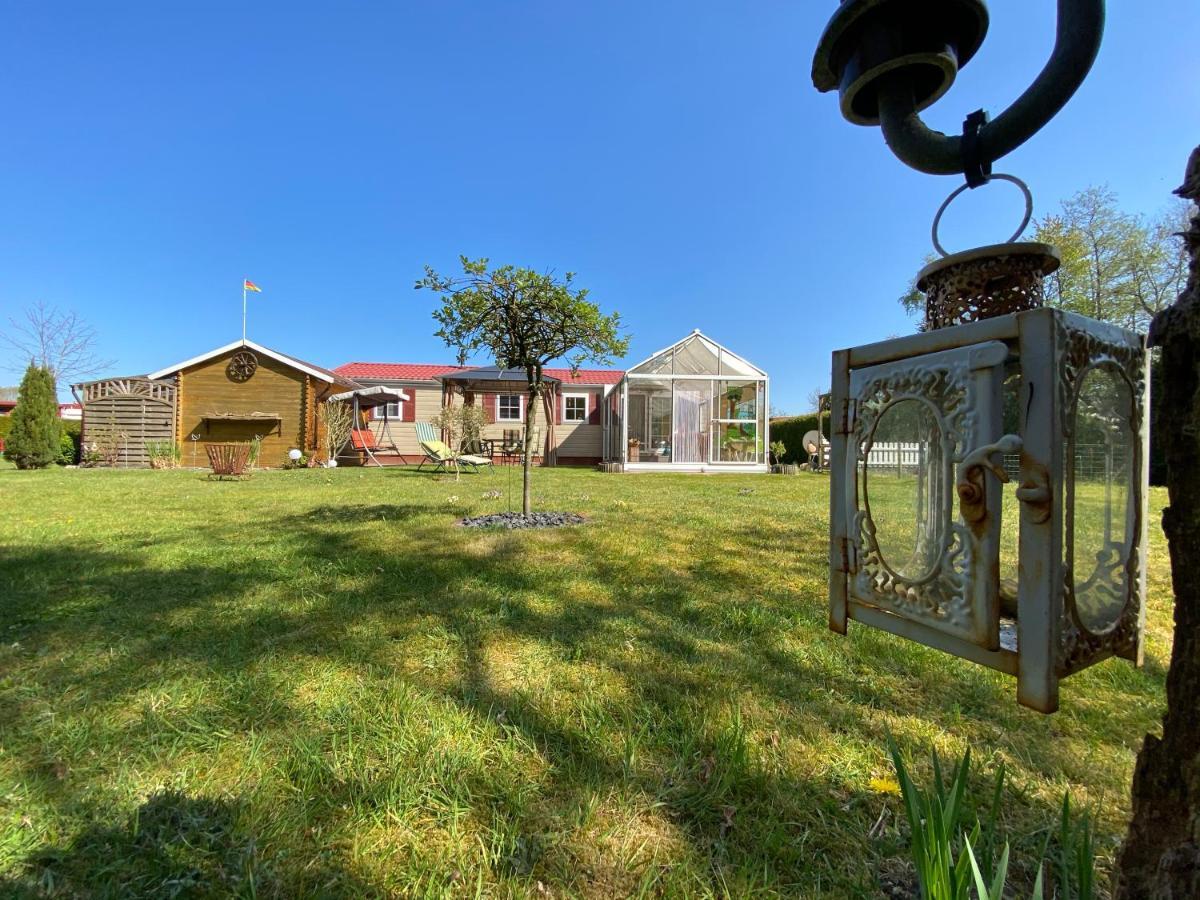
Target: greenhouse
[{"x": 694, "y": 406}]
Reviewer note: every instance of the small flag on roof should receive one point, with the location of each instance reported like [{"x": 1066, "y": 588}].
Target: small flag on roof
[{"x": 251, "y": 286}]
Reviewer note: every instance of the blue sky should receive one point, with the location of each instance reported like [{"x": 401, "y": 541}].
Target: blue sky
[{"x": 674, "y": 154}]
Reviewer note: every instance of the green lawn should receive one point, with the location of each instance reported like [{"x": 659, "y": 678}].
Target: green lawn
[{"x": 313, "y": 683}]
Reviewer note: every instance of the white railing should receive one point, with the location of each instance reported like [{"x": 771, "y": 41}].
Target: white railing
[{"x": 898, "y": 456}]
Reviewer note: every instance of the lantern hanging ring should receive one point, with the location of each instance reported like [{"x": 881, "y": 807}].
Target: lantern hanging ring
[
  {"x": 891, "y": 59},
  {"x": 1013, "y": 179}
]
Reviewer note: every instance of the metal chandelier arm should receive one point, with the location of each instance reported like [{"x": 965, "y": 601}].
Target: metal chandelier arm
[{"x": 1080, "y": 29}]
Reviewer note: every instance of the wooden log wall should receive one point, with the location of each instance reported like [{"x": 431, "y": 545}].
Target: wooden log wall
[{"x": 207, "y": 392}]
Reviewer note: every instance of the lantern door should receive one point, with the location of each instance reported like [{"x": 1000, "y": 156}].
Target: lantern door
[{"x": 911, "y": 556}]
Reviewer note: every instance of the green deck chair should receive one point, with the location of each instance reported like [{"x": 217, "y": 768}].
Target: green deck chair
[{"x": 441, "y": 456}]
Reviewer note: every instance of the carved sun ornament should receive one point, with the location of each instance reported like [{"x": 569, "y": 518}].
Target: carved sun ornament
[{"x": 242, "y": 366}]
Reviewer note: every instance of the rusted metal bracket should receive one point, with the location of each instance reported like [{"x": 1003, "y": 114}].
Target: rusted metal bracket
[
  {"x": 1034, "y": 491},
  {"x": 972, "y": 492}
]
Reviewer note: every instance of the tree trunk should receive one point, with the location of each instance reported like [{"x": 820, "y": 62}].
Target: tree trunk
[
  {"x": 1161, "y": 855},
  {"x": 527, "y": 461}
]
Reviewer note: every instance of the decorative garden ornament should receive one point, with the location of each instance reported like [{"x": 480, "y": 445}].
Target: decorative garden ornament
[{"x": 1048, "y": 577}]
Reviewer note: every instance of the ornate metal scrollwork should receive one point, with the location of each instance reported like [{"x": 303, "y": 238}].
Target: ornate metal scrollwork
[
  {"x": 939, "y": 597},
  {"x": 1117, "y": 570}
]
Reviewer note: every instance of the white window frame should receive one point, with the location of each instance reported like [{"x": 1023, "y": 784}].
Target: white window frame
[
  {"x": 394, "y": 411},
  {"x": 567, "y": 420},
  {"x": 500, "y": 417}
]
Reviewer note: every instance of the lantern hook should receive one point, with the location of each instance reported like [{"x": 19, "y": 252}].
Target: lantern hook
[
  {"x": 1012, "y": 179},
  {"x": 890, "y": 61},
  {"x": 1077, "y": 41}
]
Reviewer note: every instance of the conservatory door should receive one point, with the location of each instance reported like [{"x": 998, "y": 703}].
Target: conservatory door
[
  {"x": 737, "y": 422},
  {"x": 690, "y": 422}
]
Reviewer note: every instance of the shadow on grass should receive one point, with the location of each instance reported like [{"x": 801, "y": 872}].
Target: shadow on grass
[
  {"x": 172, "y": 846},
  {"x": 665, "y": 627}
]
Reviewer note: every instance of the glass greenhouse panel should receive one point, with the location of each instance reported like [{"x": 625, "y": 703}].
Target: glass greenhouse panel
[
  {"x": 732, "y": 365},
  {"x": 736, "y": 443},
  {"x": 649, "y": 422},
  {"x": 696, "y": 356},
  {"x": 657, "y": 365},
  {"x": 736, "y": 401}
]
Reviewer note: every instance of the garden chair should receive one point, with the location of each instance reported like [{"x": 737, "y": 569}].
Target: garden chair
[
  {"x": 228, "y": 460},
  {"x": 442, "y": 457},
  {"x": 514, "y": 441},
  {"x": 511, "y": 445}
]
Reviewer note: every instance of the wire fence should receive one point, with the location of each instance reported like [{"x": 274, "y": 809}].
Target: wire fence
[{"x": 1093, "y": 462}]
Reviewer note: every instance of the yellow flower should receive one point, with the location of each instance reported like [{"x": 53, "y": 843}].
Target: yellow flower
[{"x": 885, "y": 785}]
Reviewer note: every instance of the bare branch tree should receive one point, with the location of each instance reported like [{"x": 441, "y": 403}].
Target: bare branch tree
[
  {"x": 814, "y": 397},
  {"x": 61, "y": 341},
  {"x": 336, "y": 420}
]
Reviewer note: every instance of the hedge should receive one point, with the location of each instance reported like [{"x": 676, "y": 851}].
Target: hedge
[{"x": 791, "y": 431}]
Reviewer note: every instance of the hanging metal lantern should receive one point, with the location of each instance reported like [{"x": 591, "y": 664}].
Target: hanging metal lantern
[
  {"x": 1040, "y": 581},
  {"x": 1044, "y": 578}
]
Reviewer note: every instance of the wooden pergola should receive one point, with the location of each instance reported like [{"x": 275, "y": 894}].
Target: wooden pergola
[{"x": 469, "y": 383}]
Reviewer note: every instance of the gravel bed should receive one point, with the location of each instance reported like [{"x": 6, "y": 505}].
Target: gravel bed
[{"x": 517, "y": 520}]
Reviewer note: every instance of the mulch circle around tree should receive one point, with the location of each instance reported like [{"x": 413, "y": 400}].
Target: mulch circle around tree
[{"x": 514, "y": 520}]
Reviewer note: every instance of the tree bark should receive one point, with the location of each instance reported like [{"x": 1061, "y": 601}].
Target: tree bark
[
  {"x": 531, "y": 402},
  {"x": 1161, "y": 855}
]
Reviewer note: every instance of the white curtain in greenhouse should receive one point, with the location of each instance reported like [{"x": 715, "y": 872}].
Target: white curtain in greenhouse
[{"x": 687, "y": 443}]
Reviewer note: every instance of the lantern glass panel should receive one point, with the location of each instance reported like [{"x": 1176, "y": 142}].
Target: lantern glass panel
[
  {"x": 899, "y": 481},
  {"x": 1101, "y": 523}
]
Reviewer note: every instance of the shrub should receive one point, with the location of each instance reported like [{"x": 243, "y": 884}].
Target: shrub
[
  {"x": 104, "y": 445},
  {"x": 791, "y": 433},
  {"x": 33, "y": 437},
  {"x": 162, "y": 454},
  {"x": 462, "y": 426},
  {"x": 68, "y": 453},
  {"x": 301, "y": 462},
  {"x": 334, "y": 423},
  {"x": 255, "y": 452},
  {"x": 71, "y": 427}
]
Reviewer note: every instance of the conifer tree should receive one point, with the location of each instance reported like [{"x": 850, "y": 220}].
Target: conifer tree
[{"x": 34, "y": 439}]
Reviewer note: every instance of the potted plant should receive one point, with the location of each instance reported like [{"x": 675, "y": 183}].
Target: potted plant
[
  {"x": 635, "y": 450},
  {"x": 778, "y": 449}
]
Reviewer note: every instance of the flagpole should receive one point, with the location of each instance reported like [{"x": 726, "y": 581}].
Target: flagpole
[{"x": 243, "y": 311}]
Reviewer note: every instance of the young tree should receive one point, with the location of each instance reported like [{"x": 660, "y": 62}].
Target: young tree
[
  {"x": 34, "y": 439},
  {"x": 59, "y": 341},
  {"x": 1116, "y": 267},
  {"x": 335, "y": 421},
  {"x": 524, "y": 320},
  {"x": 462, "y": 426}
]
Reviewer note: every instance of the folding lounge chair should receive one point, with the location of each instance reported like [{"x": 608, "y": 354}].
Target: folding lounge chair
[{"x": 441, "y": 456}]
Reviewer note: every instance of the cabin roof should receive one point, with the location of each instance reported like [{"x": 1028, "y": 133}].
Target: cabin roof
[
  {"x": 433, "y": 371},
  {"x": 299, "y": 364}
]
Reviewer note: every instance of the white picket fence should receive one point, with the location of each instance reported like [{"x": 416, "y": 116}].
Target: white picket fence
[{"x": 896, "y": 456}]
